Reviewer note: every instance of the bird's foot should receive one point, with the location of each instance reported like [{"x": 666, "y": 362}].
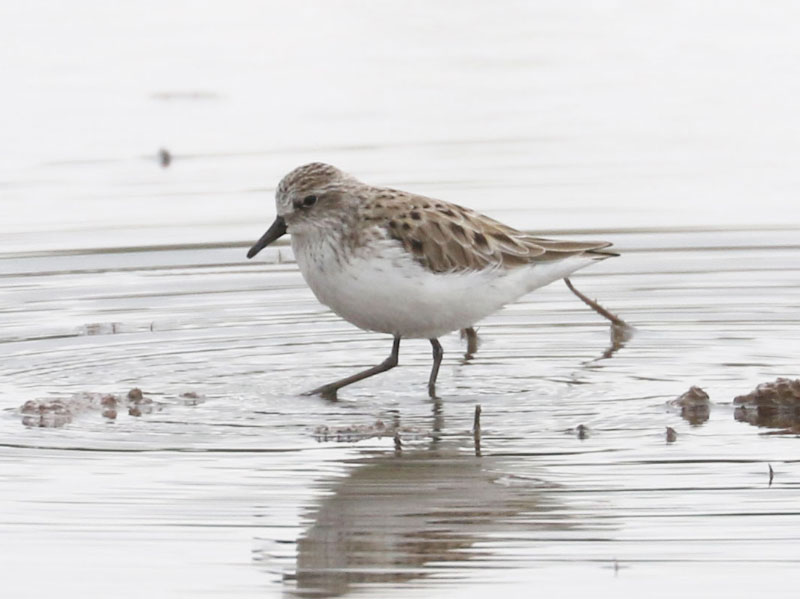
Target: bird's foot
[{"x": 326, "y": 392}]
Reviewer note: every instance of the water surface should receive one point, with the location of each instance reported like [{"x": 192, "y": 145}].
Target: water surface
[{"x": 669, "y": 131}]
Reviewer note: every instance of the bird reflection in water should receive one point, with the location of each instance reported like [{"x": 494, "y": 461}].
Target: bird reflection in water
[{"x": 397, "y": 514}]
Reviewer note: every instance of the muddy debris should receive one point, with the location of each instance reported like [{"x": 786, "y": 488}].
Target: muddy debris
[
  {"x": 581, "y": 431},
  {"x": 695, "y": 406},
  {"x": 672, "y": 435},
  {"x": 164, "y": 157},
  {"x": 100, "y": 328},
  {"x": 192, "y": 398},
  {"x": 55, "y": 413},
  {"x": 775, "y": 404},
  {"x": 49, "y": 414},
  {"x": 135, "y": 395},
  {"x": 359, "y": 432}
]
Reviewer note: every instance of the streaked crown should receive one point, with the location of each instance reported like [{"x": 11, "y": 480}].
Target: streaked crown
[{"x": 314, "y": 178}]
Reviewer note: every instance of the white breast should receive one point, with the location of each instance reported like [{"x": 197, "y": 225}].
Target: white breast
[{"x": 384, "y": 289}]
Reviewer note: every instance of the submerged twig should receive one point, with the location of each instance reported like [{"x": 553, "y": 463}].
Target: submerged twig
[
  {"x": 771, "y": 474},
  {"x": 476, "y": 430}
]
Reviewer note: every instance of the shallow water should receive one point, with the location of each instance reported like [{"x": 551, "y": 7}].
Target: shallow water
[
  {"x": 116, "y": 273},
  {"x": 250, "y": 486}
]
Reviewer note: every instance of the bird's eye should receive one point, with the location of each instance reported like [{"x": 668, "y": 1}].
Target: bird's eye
[{"x": 309, "y": 201}]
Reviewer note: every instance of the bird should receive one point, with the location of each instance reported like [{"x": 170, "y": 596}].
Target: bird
[{"x": 407, "y": 265}]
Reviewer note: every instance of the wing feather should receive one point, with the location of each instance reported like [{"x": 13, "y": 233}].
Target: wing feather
[{"x": 446, "y": 237}]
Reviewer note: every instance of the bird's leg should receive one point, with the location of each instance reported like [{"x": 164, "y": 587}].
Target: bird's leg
[
  {"x": 621, "y": 331},
  {"x": 615, "y": 320},
  {"x": 472, "y": 342},
  {"x": 329, "y": 391},
  {"x": 438, "y": 352}
]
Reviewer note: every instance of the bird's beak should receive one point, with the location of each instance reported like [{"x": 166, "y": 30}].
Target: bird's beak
[{"x": 277, "y": 229}]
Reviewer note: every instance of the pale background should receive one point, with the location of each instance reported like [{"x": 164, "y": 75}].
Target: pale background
[{"x": 549, "y": 115}]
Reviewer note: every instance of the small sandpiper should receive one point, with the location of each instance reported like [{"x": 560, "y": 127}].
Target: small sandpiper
[{"x": 407, "y": 265}]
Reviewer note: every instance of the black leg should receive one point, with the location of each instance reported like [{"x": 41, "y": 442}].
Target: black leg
[
  {"x": 329, "y": 391},
  {"x": 438, "y": 352}
]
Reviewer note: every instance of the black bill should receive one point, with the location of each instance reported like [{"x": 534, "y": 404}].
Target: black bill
[{"x": 277, "y": 229}]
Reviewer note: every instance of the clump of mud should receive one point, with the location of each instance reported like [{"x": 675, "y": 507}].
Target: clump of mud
[
  {"x": 695, "y": 405},
  {"x": 54, "y": 413},
  {"x": 581, "y": 431},
  {"x": 773, "y": 405},
  {"x": 359, "y": 432},
  {"x": 671, "y": 435}
]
